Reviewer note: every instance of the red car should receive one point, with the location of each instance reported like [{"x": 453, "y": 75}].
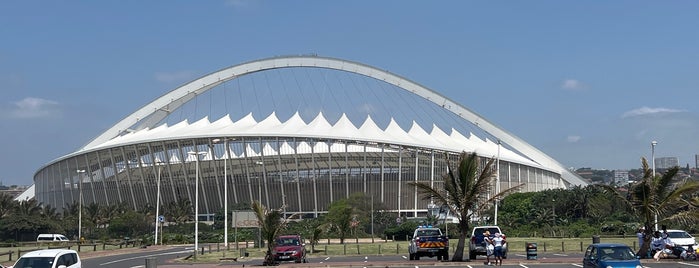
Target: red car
[{"x": 289, "y": 248}]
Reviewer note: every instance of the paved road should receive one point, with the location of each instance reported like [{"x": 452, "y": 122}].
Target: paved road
[{"x": 136, "y": 258}]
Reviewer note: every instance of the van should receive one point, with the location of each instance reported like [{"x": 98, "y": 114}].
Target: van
[{"x": 51, "y": 238}]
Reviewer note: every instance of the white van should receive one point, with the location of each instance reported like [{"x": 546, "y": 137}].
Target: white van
[{"x": 51, "y": 238}]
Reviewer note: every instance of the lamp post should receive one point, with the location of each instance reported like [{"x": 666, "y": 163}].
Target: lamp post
[
  {"x": 225, "y": 191},
  {"x": 80, "y": 204},
  {"x": 157, "y": 203},
  {"x": 652, "y": 155},
  {"x": 497, "y": 182},
  {"x": 196, "y": 202}
]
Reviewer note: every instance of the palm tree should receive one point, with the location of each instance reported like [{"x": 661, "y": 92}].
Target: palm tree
[
  {"x": 658, "y": 196},
  {"x": 465, "y": 193},
  {"x": 7, "y": 204},
  {"x": 272, "y": 223}
]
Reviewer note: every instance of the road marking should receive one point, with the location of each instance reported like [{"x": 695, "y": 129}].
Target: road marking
[
  {"x": 690, "y": 264},
  {"x": 404, "y": 257},
  {"x": 147, "y": 256},
  {"x": 520, "y": 255},
  {"x": 522, "y": 265},
  {"x": 327, "y": 258},
  {"x": 577, "y": 264},
  {"x": 563, "y": 255},
  {"x": 138, "y": 266}
]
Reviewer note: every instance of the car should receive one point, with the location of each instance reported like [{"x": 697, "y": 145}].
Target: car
[
  {"x": 289, "y": 248},
  {"x": 430, "y": 242},
  {"x": 477, "y": 245},
  {"x": 682, "y": 238},
  {"x": 49, "y": 258},
  {"x": 608, "y": 255}
]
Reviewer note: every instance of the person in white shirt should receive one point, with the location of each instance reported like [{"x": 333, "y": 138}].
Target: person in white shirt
[{"x": 498, "y": 242}]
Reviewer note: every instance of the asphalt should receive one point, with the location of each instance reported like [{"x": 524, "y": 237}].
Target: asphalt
[{"x": 258, "y": 261}]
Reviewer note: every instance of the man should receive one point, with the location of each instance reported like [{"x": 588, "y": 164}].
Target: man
[
  {"x": 498, "y": 243},
  {"x": 489, "y": 248}
]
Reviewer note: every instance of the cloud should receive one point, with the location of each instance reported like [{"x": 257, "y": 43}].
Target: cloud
[
  {"x": 33, "y": 108},
  {"x": 174, "y": 77},
  {"x": 573, "y": 138},
  {"x": 648, "y": 111},
  {"x": 572, "y": 84}
]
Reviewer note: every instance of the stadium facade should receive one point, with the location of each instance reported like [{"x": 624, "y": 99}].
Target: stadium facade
[{"x": 294, "y": 132}]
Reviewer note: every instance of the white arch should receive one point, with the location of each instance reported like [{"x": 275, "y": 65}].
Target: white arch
[{"x": 161, "y": 107}]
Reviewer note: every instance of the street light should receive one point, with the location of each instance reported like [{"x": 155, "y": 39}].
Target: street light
[
  {"x": 196, "y": 202},
  {"x": 497, "y": 182},
  {"x": 80, "y": 206},
  {"x": 652, "y": 155},
  {"x": 157, "y": 202},
  {"x": 225, "y": 191}
]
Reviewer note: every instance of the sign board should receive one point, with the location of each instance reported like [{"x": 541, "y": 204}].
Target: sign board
[
  {"x": 161, "y": 218},
  {"x": 245, "y": 219}
]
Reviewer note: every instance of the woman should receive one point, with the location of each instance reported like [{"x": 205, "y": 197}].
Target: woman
[{"x": 498, "y": 242}]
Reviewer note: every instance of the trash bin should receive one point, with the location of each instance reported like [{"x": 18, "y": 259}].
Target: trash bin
[
  {"x": 151, "y": 262},
  {"x": 531, "y": 251},
  {"x": 595, "y": 239}
]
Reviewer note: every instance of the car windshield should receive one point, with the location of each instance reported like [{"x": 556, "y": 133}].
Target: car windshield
[
  {"x": 34, "y": 262},
  {"x": 287, "y": 242},
  {"x": 616, "y": 253},
  {"x": 427, "y": 232},
  {"x": 678, "y": 234}
]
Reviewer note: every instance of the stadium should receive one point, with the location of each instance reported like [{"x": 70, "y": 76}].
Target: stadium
[{"x": 296, "y": 133}]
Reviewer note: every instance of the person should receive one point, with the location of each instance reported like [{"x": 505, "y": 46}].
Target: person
[
  {"x": 641, "y": 236},
  {"x": 667, "y": 248},
  {"x": 489, "y": 248},
  {"x": 498, "y": 242}
]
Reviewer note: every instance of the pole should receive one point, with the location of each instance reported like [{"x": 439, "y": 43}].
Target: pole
[
  {"x": 497, "y": 182},
  {"x": 196, "y": 202},
  {"x": 652, "y": 153},
  {"x": 157, "y": 206},
  {"x": 80, "y": 205},
  {"x": 225, "y": 195}
]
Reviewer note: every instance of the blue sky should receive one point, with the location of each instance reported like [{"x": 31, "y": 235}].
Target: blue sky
[{"x": 590, "y": 83}]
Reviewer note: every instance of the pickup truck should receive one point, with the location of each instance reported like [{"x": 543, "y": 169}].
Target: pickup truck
[
  {"x": 428, "y": 241},
  {"x": 477, "y": 244}
]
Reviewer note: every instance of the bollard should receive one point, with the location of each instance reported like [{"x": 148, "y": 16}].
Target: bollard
[
  {"x": 151, "y": 262},
  {"x": 595, "y": 239}
]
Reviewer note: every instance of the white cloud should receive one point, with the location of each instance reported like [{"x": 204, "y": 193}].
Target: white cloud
[
  {"x": 573, "y": 138},
  {"x": 33, "y": 108},
  {"x": 572, "y": 84},
  {"x": 647, "y": 110},
  {"x": 174, "y": 77}
]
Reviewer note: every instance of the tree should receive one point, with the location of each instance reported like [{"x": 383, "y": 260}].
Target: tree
[
  {"x": 465, "y": 191},
  {"x": 340, "y": 216},
  {"x": 7, "y": 204},
  {"x": 658, "y": 196},
  {"x": 272, "y": 223}
]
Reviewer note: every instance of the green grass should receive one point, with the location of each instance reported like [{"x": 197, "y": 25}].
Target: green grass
[{"x": 516, "y": 245}]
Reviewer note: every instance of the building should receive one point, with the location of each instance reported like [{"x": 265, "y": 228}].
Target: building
[
  {"x": 666, "y": 162},
  {"x": 621, "y": 177},
  {"x": 295, "y": 133}
]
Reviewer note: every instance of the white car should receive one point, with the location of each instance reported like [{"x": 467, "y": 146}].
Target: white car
[
  {"x": 49, "y": 258},
  {"x": 682, "y": 238}
]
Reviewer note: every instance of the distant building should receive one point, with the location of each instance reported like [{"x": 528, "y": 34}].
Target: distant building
[
  {"x": 621, "y": 177},
  {"x": 667, "y": 162},
  {"x": 696, "y": 161},
  {"x": 13, "y": 191}
]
